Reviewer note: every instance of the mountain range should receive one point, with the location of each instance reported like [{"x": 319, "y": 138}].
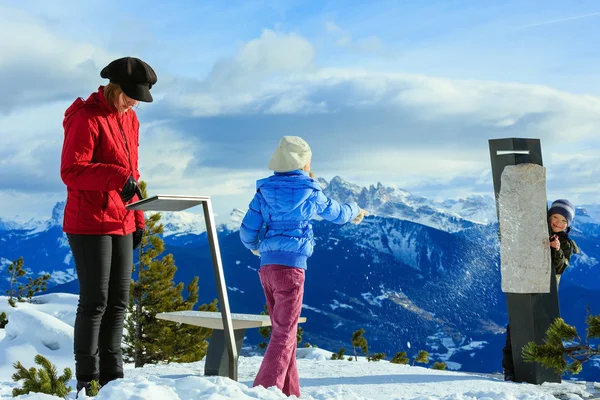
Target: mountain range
[{"x": 416, "y": 274}]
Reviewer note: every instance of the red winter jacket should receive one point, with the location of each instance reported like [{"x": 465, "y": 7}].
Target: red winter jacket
[{"x": 97, "y": 159}]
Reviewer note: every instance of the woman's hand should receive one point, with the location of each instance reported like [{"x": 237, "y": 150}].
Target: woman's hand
[{"x": 130, "y": 189}]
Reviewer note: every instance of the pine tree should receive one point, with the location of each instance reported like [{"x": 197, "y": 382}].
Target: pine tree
[
  {"x": 439, "y": 365},
  {"x": 42, "y": 380},
  {"x": 150, "y": 340},
  {"x": 553, "y": 353},
  {"x": 400, "y": 358},
  {"x": 265, "y": 331},
  {"x": 3, "y": 320},
  {"x": 339, "y": 355},
  {"x": 376, "y": 357},
  {"x": 33, "y": 286},
  {"x": 422, "y": 357},
  {"x": 16, "y": 271},
  {"x": 299, "y": 333},
  {"x": 94, "y": 389},
  {"x": 21, "y": 292},
  {"x": 360, "y": 343}
]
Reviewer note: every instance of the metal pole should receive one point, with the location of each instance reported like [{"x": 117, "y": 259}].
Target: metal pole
[{"x": 222, "y": 289}]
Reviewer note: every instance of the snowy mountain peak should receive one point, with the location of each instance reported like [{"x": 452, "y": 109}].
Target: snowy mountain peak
[
  {"x": 182, "y": 223},
  {"x": 6, "y": 225},
  {"x": 476, "y": 208},
  {"x": 16, "y": 224},
  {"x": 588, "y": 212},
  {"x": 58, "y": 213},
  {"x": 322, "y": 182},
  {"x": 451, "y": 216},
  {"x": 187, "y": 223},
  {"x": 235, "y": 219},
  {"x": 339, "y": 187}
]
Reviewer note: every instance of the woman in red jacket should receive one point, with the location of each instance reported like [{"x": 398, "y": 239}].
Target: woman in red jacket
[{"x": 99, "y": 166}]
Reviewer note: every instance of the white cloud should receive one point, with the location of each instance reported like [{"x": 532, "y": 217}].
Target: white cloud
[
  {"x": 533, "y": 109},
  {"x": 502, "y": 104},
  {"x": 365, "y": 125},
  {"x": 370, "y": 44},
  {"x": 38, "y": 66},
  {"x": 168, "y": 165},
  {"x": 271, "y": 54},
  {"x": 414, "y": 130},
  {"x": 251, "y": 81},
  {"x": 407, "y": 167}
]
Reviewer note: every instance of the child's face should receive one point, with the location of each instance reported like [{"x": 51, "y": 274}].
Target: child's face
[{"x": 558, "y": 223}]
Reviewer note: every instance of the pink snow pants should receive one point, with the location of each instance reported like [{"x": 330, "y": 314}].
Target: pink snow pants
[{"x": 284, "y": 288}]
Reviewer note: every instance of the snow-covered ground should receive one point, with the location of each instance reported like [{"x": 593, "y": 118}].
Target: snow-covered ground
[{"x": 46, "y": 327}]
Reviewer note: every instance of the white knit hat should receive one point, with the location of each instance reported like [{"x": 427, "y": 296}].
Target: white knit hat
[{"x": 293, "y": 153}]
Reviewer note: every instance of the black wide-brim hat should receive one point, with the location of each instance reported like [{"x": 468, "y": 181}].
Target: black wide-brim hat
[{"x": 133, "y": 75}]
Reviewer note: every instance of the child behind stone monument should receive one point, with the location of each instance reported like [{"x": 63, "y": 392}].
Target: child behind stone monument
[
  {"x": 286, "y": 202},
  {"x": 562, "y": 247},
  {"x": 560, "y": 218}
]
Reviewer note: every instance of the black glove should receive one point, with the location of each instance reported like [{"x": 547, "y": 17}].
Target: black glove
[
  {"x": 137, "y": 237},
  {"x": 130, "y": 189}
]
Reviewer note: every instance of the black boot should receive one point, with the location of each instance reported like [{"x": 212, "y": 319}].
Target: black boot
[{"x": 83, "y": 385}]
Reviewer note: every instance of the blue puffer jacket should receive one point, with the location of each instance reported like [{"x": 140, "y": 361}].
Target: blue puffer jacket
[{"x": 285, "y": 203}]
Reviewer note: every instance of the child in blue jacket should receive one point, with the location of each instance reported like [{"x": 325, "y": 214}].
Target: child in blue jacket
[{"x": 286, "y": 202}]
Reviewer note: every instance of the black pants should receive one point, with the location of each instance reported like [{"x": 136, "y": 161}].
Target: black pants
[
  {"x": 104, "y": 265},
  {"x": 507, "y": 356}
]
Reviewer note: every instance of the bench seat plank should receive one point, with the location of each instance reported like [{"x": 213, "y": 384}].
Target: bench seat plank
[{"x": 213, "y": 320}]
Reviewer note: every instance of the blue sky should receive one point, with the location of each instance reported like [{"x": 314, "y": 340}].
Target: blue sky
[{"x": 406, "y": 93}]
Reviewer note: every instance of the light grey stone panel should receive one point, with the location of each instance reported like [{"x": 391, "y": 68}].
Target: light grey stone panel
[{"x": 524, "y": 244}]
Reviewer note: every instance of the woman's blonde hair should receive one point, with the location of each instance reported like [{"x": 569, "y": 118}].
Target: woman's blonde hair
[{"x": 112, "y": 91}]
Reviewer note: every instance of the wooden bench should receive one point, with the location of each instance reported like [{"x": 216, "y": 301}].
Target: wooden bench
[{"x": 217, "y": 360}]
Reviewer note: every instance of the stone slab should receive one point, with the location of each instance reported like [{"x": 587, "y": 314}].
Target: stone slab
[{"x": 524, "y": 240}]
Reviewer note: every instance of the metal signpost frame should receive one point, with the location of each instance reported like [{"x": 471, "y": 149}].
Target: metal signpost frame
[
  {"x": 529, "y": 315},
  {"x": 180, "y": 203}
]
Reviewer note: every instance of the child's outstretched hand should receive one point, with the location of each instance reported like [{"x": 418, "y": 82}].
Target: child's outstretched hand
[
  {"x": 361, "y": 214},
  {"x": 255, "y": 252},
  {"x": 555, "y": 244}
]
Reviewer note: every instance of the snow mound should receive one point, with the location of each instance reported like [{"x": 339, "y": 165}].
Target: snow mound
[
  {"x": 49, "y": 332},
  {"x": 62, "y": 306},
  {"x": 205, "y": 388},
  {"x": 313, "y": 353},
  {"x": 31, "y": 332},
  {"x": 56, "y": 298},
  {"x": 38, "y": 396},
  {"x": 190, "y": 387}
]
